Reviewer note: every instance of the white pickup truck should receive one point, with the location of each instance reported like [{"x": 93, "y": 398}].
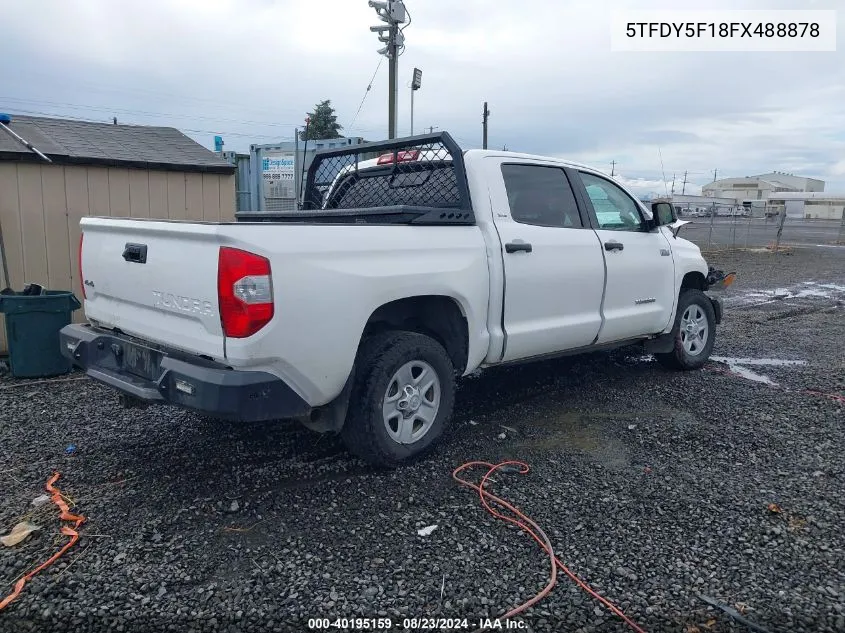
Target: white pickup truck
[{"x": 410, "y": 263}]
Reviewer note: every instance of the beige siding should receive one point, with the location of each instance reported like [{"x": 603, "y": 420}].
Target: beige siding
[
  {"x": 119, "y": 193},
  {"x": 10, "y": 222},
  {"x": 211, "y": 197},
  {"x": 193, "y": 196},
  {"x": 32, "y": 224},
  {"x": 158, "y": 194},
  {"x": 98, "y": 192},
  {"x": 41, "y": 206},
  {"x": 139, "y": 193},
  {"x": 176, "y": 195},
  {"x": 54, "y": 191},
  {"x": 76, "y": 192}
]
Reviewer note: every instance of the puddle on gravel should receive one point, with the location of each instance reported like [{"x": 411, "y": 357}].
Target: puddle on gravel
[
  {"x": 580, "y": 432},
  {"x": 809, "y": 290},
  {"x": 740, "y": 367}
]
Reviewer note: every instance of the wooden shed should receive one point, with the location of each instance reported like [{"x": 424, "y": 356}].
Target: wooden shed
[{"x": 97, "y": 169}]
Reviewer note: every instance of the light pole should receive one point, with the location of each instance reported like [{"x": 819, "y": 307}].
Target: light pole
[
  {"x": 392, "y": 13},
  {"x": 416, "y": 82}
]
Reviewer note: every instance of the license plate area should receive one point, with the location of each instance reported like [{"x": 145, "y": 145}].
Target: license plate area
[{"x": 142, "y": 361}]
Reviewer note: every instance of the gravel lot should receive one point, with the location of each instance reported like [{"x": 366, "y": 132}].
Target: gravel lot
[{"x": 653, "y": 486}]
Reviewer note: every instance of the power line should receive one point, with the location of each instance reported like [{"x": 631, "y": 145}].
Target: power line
[
  {"x": 91, "y": 86},
  {"x": 367, "y": 91},
  {"x": 110, "y": 110},
  {"x": 184, "y": 129},
  {"x": 141, "y": 113}
]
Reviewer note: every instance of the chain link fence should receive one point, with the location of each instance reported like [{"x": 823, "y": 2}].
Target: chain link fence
[{"x": 720, "y": 227}]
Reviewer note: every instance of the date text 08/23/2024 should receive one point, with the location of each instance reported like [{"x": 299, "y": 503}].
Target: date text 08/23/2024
[{"x": 385, "y": 624}]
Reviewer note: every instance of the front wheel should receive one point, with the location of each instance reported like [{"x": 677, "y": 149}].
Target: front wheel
[
  {"x": 694, "y": 333},
  {"x": 403, "y": 396}
]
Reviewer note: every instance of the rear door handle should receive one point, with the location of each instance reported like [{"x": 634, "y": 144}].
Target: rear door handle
[
  {"x": 614, "y": 246},
  {"x": 515, "y": 247}
]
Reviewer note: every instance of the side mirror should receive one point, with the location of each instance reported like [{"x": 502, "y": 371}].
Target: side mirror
[{"x": 664, "y": 214}]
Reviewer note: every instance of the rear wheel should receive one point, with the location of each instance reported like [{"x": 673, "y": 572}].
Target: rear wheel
[
  {"x": 403, "y": 396},
  {"x": 694, "y": 333}
]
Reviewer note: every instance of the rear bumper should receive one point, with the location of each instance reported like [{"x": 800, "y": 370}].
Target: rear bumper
[{"x": 185, "y": 381}]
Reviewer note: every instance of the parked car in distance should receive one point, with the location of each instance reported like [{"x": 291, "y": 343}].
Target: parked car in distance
[{"x": 401, "y": 273}]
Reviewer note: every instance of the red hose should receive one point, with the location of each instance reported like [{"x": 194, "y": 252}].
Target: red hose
[
  {"x": 64, "y": 515},
  {"x": 528, "y": 525}
]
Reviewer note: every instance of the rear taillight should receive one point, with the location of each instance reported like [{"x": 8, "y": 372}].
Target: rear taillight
[
  {"x": 79, "y": 263},
  {"x": 244, "y": 292},
  {"x": 401, "y": 157}
]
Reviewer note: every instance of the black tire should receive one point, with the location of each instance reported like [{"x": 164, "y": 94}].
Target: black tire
[
  {"x": 365, "y": 433},
  {"x": 679, "y": 358}
]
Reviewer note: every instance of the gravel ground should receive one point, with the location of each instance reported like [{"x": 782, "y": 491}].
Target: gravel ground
[{"x": 653, "y": 486}]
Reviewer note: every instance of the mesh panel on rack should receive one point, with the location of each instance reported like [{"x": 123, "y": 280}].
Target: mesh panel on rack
[{"x": 420, "y": 172}]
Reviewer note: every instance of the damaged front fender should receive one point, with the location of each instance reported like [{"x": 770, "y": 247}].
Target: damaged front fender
[{"x": 718, "y": 279}]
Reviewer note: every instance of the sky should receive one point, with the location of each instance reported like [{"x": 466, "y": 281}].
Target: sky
[{"x": 249, "y": 70}]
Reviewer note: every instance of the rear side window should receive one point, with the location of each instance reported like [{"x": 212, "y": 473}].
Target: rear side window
[
  {"x": 426, "y": 185},
  {"x": 541, "y": 196}
]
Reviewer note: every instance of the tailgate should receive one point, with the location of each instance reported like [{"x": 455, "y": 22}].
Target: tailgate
[{"x": 156, "y": 280}]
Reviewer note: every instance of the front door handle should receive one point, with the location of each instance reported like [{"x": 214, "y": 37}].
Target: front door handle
[
  {"x": 614, "y": 246},
  {"x": 515, "y": 247}
]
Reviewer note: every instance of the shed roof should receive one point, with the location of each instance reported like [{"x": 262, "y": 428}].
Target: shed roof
[{"x": 68, "y": 141}]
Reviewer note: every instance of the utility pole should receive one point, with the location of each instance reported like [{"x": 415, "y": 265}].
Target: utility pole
[
  {"x": 485, "y": 115},
  {"x": 392, "y": 87},
  {"x": 431, "y": 129},
  {"x": 684, "y": 188},
  {"x": 393, "y": 13},
  {"x": 715, "y": 171},
  {"x": 673, "y": 185},
  {"x": 416, "y": 84},
  {"x": 612, "y": 168}
]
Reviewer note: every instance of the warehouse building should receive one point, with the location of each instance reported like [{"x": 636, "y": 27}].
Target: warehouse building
[
  {"x": 809, "y": 205},
  {"x": 762, "y": 187},
  {"x": 95, "y": 169}
]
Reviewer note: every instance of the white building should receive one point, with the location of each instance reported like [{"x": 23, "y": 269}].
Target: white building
[
  {"x": 809, "y": 205},
  {"x": 763, "y": 187},
  {"x": 797, "y": 182},
  {"x": 692, "y": 205}
]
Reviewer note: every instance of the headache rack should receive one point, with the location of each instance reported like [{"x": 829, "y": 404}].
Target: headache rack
[{"x": 413, "y": 180}]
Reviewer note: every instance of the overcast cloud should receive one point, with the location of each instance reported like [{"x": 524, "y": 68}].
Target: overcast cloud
[{"x": 250, "y": 69}]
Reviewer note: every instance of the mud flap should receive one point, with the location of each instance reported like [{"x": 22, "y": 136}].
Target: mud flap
[
  {"x": 662, "y": 344},
  {"x": 331, "y": 417},
  {"x": 718, "y": 308}
]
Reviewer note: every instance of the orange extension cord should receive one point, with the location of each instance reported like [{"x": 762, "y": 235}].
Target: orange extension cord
[
  {"x": 56, "y": 497},
  {"x": 529, "y": 526}
]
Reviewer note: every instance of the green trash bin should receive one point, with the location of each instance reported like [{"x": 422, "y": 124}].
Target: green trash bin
[{"x": 32, "y": 331}]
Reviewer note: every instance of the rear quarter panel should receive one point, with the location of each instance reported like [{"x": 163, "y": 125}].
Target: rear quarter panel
[{"x": 328, "y": 280}]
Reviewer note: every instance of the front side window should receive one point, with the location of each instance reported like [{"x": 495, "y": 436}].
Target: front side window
[
  {"x": 541, "y": 196},
  {"x": 615, "y": 209}
]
